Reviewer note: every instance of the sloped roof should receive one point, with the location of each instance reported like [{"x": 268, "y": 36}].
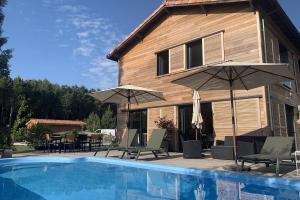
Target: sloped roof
[
  {"x": 272, "y": 7},
  {"x": 55, "y": 122}
]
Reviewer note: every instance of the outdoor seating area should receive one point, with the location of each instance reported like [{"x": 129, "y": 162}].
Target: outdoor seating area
[
  {"x": 72, "y": 141},
  {"x": 250, "y": 149}
]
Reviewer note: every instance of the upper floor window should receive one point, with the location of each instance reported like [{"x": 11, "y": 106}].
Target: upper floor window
[
  {"x": 194, "y": 56},
  {"x": 163, "y": 63},
  {"x": 284, "y": 54}
]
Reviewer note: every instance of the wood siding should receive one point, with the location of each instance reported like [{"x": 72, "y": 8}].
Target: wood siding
[
  {"x": 213, "y": 48},
  {"x": 177, "y": 58},
  {"x": 248, "y": 121},
  {"x": 229, "y": 32},
  {"x": 280, "y": 96}
]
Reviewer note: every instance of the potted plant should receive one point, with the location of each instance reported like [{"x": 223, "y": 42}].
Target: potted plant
[{"x": 167, "y": 124}]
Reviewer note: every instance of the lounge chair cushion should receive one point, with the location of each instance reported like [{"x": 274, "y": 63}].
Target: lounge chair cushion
[{"x": 274, "y": 147}]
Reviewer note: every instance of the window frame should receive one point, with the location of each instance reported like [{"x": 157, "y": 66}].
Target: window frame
[
  {"x": 280, "y": 46},
  {"x": 157, "y": 62},
  {"x": 186, "y": 55}
]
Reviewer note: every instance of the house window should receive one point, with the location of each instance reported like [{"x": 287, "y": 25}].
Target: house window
[
  {"x": 284, "y": 58},
  {"x": 287, "y": 84},
  {"x": 194, "y": 56},
  {"x": 299, "y": 65},
  {"x": 163, "y": 63},
  {"x": 284, "y": 54}
]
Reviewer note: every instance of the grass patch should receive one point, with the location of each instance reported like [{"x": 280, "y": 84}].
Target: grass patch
[{"x": 22, "y": 148}]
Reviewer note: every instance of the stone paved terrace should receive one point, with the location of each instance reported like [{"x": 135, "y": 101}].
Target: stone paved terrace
[{"x": 287, "y": 170}]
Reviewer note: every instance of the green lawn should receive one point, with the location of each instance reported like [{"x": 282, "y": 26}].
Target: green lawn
[{"x": 22, "y": 148}]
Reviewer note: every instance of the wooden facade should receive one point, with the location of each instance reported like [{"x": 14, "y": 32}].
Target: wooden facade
[{"x": 233, "y": 31}]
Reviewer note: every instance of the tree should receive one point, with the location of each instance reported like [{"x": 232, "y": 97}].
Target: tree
[
  {"x": 23, "y": 116},
  {"x": 108, "y": 120},
  {"x": 35, "y": 136},
  {"x": 5, "y": 54},
  {"x": 93, "y": 122}
]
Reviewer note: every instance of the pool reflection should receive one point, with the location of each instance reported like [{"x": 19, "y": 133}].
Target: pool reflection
[{"x": 102, "y": 181}]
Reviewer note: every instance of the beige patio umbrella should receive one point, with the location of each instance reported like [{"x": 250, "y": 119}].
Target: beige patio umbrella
[
  {"x": 128, "y": 94},
  {"x": 197, "y": 117},
  {"x": 236, "y": 75}
]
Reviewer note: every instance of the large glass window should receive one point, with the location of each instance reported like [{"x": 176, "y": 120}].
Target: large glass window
[
  {"x": 289, "y": 111},
  {"x": 138, "y": 120},
  {"x": 284, "y": 58},
  {"x": 163, "y": 63},
  {"x": 284, "y": 54},
  {"x": 194, "y": 56}
]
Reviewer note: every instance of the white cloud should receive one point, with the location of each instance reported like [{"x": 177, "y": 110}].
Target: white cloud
[
  {"x": 94, "y": 37},
  {"x": 82, "y": 35},
  {"x": 72, "y": 8}
]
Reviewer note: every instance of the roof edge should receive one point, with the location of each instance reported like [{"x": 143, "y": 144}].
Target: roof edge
[{"x": 115, "y": 54}]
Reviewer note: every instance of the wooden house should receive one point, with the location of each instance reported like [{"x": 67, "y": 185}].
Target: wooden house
[{"x": 183, "y": 35}]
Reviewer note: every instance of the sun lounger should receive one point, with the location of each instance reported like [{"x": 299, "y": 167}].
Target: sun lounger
[
  {"x": 125, "y": 143},
  {"x": 274, "y": 150},
  {"x": 153, "y": 145}
]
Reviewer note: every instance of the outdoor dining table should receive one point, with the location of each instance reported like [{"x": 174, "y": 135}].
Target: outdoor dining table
[{"x": 58, "y": 138}]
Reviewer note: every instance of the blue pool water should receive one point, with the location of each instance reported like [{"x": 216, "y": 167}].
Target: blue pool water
[{"x": 96, "y": 178}]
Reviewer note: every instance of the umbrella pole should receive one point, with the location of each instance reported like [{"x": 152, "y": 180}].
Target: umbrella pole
[
  {"x": 233, "y": 122},
  {"x": 128, "y": 115}
]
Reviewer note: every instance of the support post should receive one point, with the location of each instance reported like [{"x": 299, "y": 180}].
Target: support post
[{"x": 233, "y": 122}]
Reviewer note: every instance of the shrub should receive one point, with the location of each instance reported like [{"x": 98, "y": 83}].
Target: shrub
[
  {"x": 35, "y": 136},
  {"x": 93, "y": 122},
  {"x": 5, "y": 138},
  {"x": 165, "y": 123}
]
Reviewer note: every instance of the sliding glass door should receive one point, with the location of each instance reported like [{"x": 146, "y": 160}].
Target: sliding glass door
[
  {"x": 185, "y": 124},
  {"x": 138, "y": 120}
]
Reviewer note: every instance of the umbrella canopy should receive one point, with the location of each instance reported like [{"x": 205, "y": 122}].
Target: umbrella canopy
[
  {"x": 236, "y": 75},
  {"x": 128, "y": 94},
  {"x": 244, "y": 76},
  {"x": 197, "y": 117}
]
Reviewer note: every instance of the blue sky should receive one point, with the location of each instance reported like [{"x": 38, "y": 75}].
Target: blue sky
[{"x": 66, "y": 41}]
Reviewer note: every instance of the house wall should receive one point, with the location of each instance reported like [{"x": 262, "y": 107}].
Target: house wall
[
  {"x": 279, "y": 95},
  {"x": 231, "y": 32}
]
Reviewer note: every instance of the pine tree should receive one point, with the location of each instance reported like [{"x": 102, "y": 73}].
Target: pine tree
[
  {"x": 5, "y": 54},
  {"x": 108, "y": 120},
  {"x": 23, "y": 117},
  {"x": 93, "y": 122}
]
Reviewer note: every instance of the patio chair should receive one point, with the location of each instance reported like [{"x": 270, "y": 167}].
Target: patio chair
[
  {"x": 51, "y": 142},
  {"x": 153, "y": 145},
  {"x": 123, "y": 144},
  {"x": 274, "y": 151},
  {"x": 82, "y": 141},
  {"x": 69, "y": 141},
  {"x": 95, "y": 141}
]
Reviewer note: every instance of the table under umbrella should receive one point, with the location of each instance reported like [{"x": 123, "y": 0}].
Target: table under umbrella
[{"x": 236, "y": 75}]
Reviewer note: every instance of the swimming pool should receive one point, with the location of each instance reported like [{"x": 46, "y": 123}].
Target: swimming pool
[{"x": 98, "y": 178}]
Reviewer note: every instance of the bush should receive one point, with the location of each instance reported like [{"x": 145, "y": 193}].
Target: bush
[
  {"x": 5, "y": 138},
  {"x": 165, "y": 123},
  {"x": 93, "y": 122},
  {"x": 35, "y": 136}
]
